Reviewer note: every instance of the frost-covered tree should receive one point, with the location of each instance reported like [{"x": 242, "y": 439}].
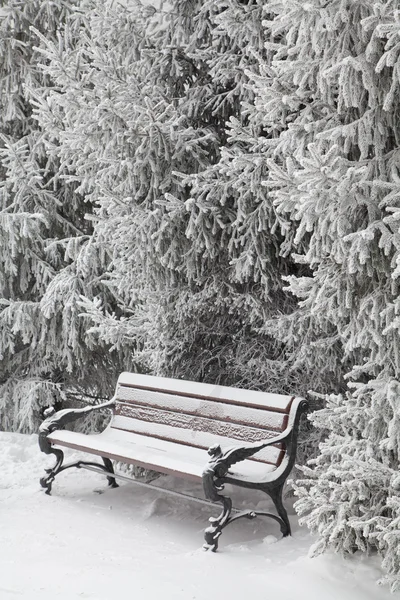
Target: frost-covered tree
[
  {"x": 335, "y": 176},
  {"x": 144, "y": 126},
  {"x": 46, "y": 257},
  {"x": 176, "y": 171},
  {"x": 212, "y": 320},
  {"x": 123, "y": 136}
]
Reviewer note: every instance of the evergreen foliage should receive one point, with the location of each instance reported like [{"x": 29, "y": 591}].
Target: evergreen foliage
[
  {"x": 233, "y": 270},
  {"x": 164, "y": 181},
  {"x": 123, "y": 139},
  {"x": 46, "y": 257},
  {"x": 223, "y": 234},
  {"x": 335, "y": 176}
]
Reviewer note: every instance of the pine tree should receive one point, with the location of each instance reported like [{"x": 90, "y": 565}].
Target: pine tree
[
  {"x": 335, "y": 176},
  {"x": 122, "y": 137},
  {"x": 47, "y": 260},
  {"x": 212, "y": 321},
  {"x": 194, "y": 239}
]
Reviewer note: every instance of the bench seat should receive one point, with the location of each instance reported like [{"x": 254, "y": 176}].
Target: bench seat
[{"x": 159, "y": 455}]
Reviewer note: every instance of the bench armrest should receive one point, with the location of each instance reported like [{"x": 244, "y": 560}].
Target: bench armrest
[
  {"x": 56, "y": 420},
  {"x": 221, "y": 460}
]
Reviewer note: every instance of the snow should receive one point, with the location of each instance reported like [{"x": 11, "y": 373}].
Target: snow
[
  {"x": 133, "y": 542},
  {"x": 187, "y": 436},
  {"x": 157, "y": 454}
]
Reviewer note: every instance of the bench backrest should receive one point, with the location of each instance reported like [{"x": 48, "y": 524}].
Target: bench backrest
[{"x": 200, "y": 414}]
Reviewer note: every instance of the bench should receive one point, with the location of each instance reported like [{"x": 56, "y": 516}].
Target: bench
[{"x": 167, "y": 425}]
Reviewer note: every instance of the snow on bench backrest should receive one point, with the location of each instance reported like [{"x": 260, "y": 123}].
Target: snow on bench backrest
[{"x": 200, "y": 414}]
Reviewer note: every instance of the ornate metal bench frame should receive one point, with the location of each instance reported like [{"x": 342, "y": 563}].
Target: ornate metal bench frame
[{"x": 215, "y": 474}]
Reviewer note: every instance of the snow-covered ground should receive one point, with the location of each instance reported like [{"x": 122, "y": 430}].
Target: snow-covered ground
[{"x": 88, "y": 541}]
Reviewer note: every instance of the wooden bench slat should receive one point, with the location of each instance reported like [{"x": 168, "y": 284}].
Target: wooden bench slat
[
  {"x": 216, "y": 393},
  {"x": 236, "y": 431},
  {"x": 259, "y": 418},
  {"x": 189, "y": 437}
]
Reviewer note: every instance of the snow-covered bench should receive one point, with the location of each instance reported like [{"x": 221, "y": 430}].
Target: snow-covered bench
[{"x": 167, "y": 425}]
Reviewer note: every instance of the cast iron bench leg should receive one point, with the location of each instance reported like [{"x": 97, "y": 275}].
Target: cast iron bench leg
[
  {"x": 276, "y": 496},
  {"x": 109, "y": 466}
]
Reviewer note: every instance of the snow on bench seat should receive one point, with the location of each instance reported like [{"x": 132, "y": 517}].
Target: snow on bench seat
[{"x": 152, "y": 453}]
